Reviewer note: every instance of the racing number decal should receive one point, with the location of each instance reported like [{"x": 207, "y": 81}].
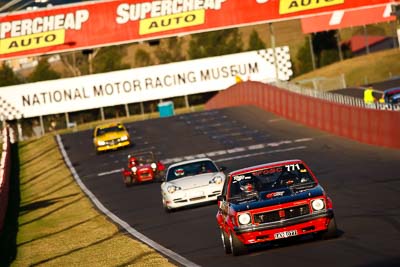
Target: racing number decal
[{"x": 292, "y": 167}]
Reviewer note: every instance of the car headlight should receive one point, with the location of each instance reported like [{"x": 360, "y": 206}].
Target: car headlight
[
  {"x": 134, "y": 169},
  {"x": 153, "y": 166},
  {"x": 244, "y": 218},
  {"x": 318, "y": 204},
  {"x": 172, "y": 188},
  {"x": 124, "y": 138},
  {"x": 216, "y": 180},
  {"x": 101, "y": 143}
]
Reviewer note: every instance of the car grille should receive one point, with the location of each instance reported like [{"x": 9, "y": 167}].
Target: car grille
[
  {"x": 283, "y": 214},
  {"x": 112, "y": 142}
]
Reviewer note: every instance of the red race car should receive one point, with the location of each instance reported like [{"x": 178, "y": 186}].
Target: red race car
[
  {"x": 270, "y": 202},
  {"x": 143, "y": 167}
]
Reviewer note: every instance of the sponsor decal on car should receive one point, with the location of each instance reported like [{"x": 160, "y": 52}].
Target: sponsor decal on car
[{"x": 275, "y": 194}]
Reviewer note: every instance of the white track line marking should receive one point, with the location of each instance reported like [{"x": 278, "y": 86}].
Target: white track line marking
[
  {"x": 213, "y": 154},
  {"x": 167, "y": 252},
  {"x": 109, "y": 172},
  {"x": 261, "y": 153},
  {"x": 235, "y": 150}
]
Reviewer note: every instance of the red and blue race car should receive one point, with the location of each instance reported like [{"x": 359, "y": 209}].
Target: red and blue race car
[{"x": 270, "y": 202}]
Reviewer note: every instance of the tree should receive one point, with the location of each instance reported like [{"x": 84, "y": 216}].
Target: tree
[
  {"x": 170, "y": 50},
  {"x": 323, "y": 41},
  {"x": 7, "y": 76},
  {"x": 142, "y": 58},
  {"x": 329, "y": 56},
  {"x": 74, "y": 62},
  {"x": 255, "y": 42},
  {"x": 43, "y": 72},
  {"x": 215, "y": 43},
  {"x": 304, "y": 58},
  {"x": 109, "y": 59}
]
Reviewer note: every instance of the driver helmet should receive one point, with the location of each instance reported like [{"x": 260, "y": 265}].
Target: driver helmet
[
  {"x": 247, "y": 187},
  {"x": 133, "y": 161}
]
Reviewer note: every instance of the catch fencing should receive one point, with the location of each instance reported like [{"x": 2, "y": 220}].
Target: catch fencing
[{"x": 377, "y": 124}]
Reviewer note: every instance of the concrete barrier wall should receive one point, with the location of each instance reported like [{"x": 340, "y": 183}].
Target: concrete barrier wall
[
  {"x": 371, "y": 126},
  {"x": 4, "y": 177}
]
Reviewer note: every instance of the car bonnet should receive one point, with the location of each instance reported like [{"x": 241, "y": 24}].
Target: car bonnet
[
  {"x": 287, "y": 196},
  {"x": 194, "y": 181}
]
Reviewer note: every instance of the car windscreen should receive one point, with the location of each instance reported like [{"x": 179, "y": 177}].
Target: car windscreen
[
  {"x": 271, "y": 179},
  {"x": 102, "y": 131},
  {"x": 145, "y": 158},
  {"x": 190, "y": 169}
]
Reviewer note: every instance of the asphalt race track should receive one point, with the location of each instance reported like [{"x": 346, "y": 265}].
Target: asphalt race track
[{"x": 362, "y": 180}]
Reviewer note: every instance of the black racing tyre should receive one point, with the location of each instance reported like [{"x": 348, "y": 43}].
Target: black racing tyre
[
  {"x": 225, "y": 242},
  {"x": 237, "y": 247},
  {"x": 166, "y": 209},
  {"x": 133, "y": 179},
  {"x": 159, "y": 177},
  {"x": 330, "y": 232},
  {"x": 128, "y": 181}
]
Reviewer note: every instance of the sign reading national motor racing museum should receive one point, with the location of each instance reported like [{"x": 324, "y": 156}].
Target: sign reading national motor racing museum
[
  {"x": 99, "y": 23},
  {"x": 143, "y": 84}
]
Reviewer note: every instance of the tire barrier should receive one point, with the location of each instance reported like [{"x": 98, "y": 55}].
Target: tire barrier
[
  {"x": 4, "y": 177},
  {"x": 367, "y": 125}
]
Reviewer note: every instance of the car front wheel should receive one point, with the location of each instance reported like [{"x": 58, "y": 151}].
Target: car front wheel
[
  {"x": 225, "y": 242},
  {"x": 330, "y": 232},
  {"x": 128, "y": 181},
  {"x": 237, "y": 247},
  {"x": 166, "y": 209}
]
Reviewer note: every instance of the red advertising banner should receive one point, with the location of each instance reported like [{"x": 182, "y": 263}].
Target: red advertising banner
[
  {"x": 95, "y": 24},
  {"x": 351, "y": 18}
]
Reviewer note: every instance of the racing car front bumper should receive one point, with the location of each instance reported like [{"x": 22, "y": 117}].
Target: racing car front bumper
[
  {"x": 113, "y": 146},
  {"x": 311, "y": 223}
]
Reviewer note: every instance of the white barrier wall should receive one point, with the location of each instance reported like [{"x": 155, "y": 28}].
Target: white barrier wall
[{"x": 142, "y": 84}]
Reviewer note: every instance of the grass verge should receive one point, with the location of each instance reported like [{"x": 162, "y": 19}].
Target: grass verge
[
  {"x": 54, "y": 224},
  {"x": 374, "y": 67}
]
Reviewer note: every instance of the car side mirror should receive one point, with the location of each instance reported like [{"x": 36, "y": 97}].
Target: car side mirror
[
  {"x": 220, "y": 199},
  {"x": 222, "y": 168}
]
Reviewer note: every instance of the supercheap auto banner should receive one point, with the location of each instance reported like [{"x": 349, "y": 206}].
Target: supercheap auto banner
[
  {"x": 143, "y": 84},
  {"x": 100, "y": 23}
]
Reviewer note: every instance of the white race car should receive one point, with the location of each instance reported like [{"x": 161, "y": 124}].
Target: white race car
[{"x": 191, "y": 182}]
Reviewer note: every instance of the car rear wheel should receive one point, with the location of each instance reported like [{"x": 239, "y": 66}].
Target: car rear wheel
[
  {"x": 225, "y": 242},
  {"x": 237, "y": 247}
]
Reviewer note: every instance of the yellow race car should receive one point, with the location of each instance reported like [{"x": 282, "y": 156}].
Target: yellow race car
[{"x": 110, "y": 136}]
